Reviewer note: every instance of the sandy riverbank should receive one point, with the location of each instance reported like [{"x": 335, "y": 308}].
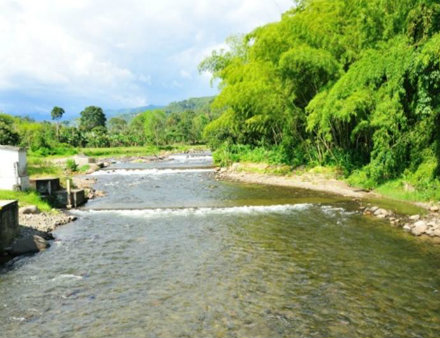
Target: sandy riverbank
[
  {"x": 425, "y": 224},
  {"x": 318, "y": 182}
]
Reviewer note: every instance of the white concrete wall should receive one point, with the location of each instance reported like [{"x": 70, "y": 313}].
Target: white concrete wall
[{"x": 9, "y": 177}]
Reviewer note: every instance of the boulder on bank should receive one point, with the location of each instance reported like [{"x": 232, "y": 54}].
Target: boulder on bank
[
  {"x": 434, "y": 208},
  {"x": 30, "y": 209},
  {"x": 93, "y": 167},
  {"x": 381, "y": 213},
  {"x": 414, "y": 217},
  {"x": 27, "y": 245},
  {"x": 419, "y": 228}
]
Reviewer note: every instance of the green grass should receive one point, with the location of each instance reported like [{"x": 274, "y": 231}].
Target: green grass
[
  {"x": 84, "y": 168},
  {"x": 40, "y": 167},
  {"x": 137, "y": 151},
  {"x": 25, "y": 198},
  {"x": 398, "y": 189},
  {"x": 60, "y": 151},
  {"x": 119, "y": 151},
  {"x": 228, "y": 154}
]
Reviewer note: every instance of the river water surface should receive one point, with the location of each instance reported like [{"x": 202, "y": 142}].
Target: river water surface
[{"x": 171, "y": 252}]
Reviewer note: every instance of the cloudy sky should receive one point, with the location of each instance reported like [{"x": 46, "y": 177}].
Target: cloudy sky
[{"x": 114, "y": 54}]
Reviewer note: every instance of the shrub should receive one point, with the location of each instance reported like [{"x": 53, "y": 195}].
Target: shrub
[{"x": 71, "y": 165}]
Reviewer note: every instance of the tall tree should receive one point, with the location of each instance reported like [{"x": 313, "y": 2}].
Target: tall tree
[
  {"x": 155, "y": 126},
  {"x": 57, "y": 113},
  {"x": 8, "y": 136},
  {"x": 92, "y": 117}
]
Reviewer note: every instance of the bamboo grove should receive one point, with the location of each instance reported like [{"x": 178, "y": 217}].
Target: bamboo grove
[{"x": 354, "y": 83}]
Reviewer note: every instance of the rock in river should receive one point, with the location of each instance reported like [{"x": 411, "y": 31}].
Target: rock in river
[
  {"x": 28, "y": 245},
  {"x": 419, "y": 228},
  {"x": 381, "y": 213},
  {"x": 30, "y": 209}
]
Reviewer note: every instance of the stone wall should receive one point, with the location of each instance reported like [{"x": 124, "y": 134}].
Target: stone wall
[{"x": 8, "y": 222}]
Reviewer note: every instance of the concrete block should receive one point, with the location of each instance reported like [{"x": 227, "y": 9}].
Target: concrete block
[
  {"x": 82, "y": 160},
  {"x": 8, "y": 222},
  {"x": 78, "y": 197},
  {"x": 46, "y": 186}
]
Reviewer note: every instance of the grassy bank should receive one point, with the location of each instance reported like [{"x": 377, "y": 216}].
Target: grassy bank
[
  {"x": 43, "y": 167},
  {"x": 25, "y": 198},
  {"x": 38, "y": 159},
  {"x": 46, "y": 166},
  {"x": 417, "y": 186}
]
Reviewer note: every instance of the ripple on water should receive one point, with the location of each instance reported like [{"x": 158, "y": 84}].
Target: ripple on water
[{"x": 274, "y": 268}]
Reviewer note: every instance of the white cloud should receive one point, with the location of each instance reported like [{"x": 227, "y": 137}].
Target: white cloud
[
  {"x": 108, "y": 52},
  {"x": 185, "y": 74}
]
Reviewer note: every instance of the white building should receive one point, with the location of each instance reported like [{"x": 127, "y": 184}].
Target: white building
[{"x": 13, "y": 168}]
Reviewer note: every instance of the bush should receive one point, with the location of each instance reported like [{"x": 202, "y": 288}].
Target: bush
[
  {"x": 71, "y": 165},
  {"x": 227, "y": 154}
]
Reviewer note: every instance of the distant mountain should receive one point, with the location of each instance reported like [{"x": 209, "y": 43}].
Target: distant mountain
[
  {"x": 196, "y": 104},
  {"x": 129, "y": 113}
]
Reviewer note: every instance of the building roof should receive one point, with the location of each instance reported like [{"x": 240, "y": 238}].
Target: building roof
[
  {"x": 4, "y": 203},
  {"x": 4, "y": 147}
]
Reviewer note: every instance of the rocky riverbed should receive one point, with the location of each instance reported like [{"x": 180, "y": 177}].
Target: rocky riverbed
[{"x": 427, "y": 226}]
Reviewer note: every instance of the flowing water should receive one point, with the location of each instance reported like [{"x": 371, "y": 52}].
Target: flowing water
[{"x": 171, "y": 252}]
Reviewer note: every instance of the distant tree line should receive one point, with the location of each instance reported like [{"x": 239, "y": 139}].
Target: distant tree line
[{"x": 93, "y": 130}]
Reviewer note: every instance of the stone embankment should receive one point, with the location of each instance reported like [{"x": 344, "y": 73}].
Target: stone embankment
[{"x": 427, "y": 226}]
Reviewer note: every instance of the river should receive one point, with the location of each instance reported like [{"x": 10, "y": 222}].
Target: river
[{"x": 171, "y": 252}]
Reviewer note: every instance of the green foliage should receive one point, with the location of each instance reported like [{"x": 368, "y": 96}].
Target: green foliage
[
  {"x": 8, "y": 136},
  {"x": 154, "y": 124},
  {"x": 84, "y": 168},
  {"x": 71, "y": 165},
  {"x": 57, "y": 113},
  {"x": 196, "y": 104},
  {"x": 230, "y": 153},
  {"x": 97, "y": 137},
  {"x": 136, "y": 151},
  {"x": 117, "y": 125},
  {"x": 92, "y": 117},
  {"x": 39, "y": 167},
  {"x": 61, "y": 139},
  {"x": 25, "y": 198},
  {"x": 120, "y": 151},
  {"x": 336, "y": 82}
]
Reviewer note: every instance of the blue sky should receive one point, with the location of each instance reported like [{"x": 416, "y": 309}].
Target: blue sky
[{"x": 114, "y": 53}]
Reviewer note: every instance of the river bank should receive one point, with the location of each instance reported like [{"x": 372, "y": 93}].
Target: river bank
[
  {"x": 34, "y": 231},
  {"x": 419, "y": 219}
]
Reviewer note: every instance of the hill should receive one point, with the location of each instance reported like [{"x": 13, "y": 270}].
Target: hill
[
  {"x": 195, "y": 104},
  {"x": 129, "y": 113}
]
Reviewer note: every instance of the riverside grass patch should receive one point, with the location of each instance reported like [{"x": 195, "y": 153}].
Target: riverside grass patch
[{"x": 26, "y": 198}]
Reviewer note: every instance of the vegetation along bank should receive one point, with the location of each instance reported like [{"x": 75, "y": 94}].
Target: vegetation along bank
[{"x": 346, "y": 84}]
